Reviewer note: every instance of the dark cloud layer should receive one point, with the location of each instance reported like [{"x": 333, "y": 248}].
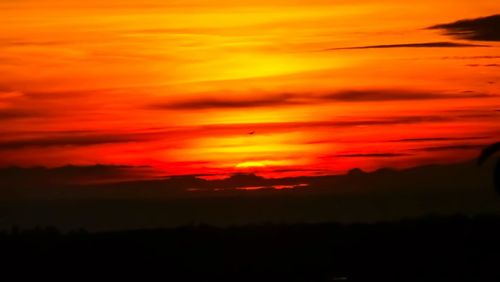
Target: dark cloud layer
[
  {"x": 352, "y": 122},
  {"x": 8, "y": 114},
  {"x": 397, "y": 95},
  {"x": 205, "y": 103},
  {"x": 479, "y": 29},
  {"x": 369, "y": 95},
  {"x": 67, "y": 140},
  {"x": 44, "y": 177},
  {"x": 432, "y": 139},
  {"x": 371, "y": 155},
  {"x": 357, "y": 196},
  {"x": 410, "y": 45},
  {"x": 96, "y": 178},
  {"x": 484, "y": 65},
  {"x": 81, "y": 139},
  {"x": 452, "y": 147},
  {"x": 470, "y": 57},
  {"x": 24, "y": 42}
]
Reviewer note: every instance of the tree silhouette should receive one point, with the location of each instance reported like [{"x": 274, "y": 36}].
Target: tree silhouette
[{"x": 485, "y": 154}]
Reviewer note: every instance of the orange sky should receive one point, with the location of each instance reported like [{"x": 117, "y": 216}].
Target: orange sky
[{"x": 213, "y": 87}]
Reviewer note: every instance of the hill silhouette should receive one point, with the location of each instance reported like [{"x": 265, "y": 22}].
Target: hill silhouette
[
  {"x": 29, "y": 199},
  {"x": 433, "y": 248}
]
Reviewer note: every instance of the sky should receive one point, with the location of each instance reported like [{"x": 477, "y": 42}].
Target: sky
[{"x": 276, "y": 88}]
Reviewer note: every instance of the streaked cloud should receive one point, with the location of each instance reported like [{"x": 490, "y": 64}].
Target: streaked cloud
[
  {"x": 478, "y": 29},
  {"x": 207, "y": 103},
  {"x": 10, "y": 114},
  {"x": 398, "y": 95},
  {"x": 483, "y": 65},
  {"x": 452, "y": 147},
  {"x": 372, "y": 155},
  {"x": 45, "y": 177},
  {"x": 269, "y": 100},
  {"x": 433, "y": 139},
  {"x": 410, "y": 45},
  {"x": 68, "y": 140}
]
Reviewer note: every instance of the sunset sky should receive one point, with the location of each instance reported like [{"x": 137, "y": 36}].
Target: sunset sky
[{"x": 277, "y": 88}]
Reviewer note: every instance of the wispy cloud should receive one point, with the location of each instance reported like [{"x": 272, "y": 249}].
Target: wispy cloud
[
  {"x": 338, "y": 122},
  {"x": 410, "y": 45},
  {"x": 452, "y": 147},
  {"x": 470, "y": 57},
  {"x": 207, "y": 103},
  {"x": 397, "y": 95},
  {"x": 40, "y": 177},
  {"x": 433, "y": 139},
  {"x": 371, "y": 155},
  {"x": 483, "y": 65},
  {"x": 479, "y": 29},
  {"x": 370, "y": 95},
  {"x": 69, "y": 140},
  {"x": 9, "y": 114},
  {"x": 23, "y": 42}
]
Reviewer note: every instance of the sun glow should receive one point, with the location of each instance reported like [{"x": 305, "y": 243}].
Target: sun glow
[
  {"x": 263, "y": 163},
  {"x": 258, "y": 64}
]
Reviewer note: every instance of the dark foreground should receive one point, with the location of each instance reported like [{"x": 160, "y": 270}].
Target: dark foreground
[{"x": 427, "y": 249}]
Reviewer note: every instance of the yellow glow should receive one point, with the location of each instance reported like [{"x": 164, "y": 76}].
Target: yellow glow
[
  {"x": 264, "y": 163},
  {"x": 252, "y": 65}
]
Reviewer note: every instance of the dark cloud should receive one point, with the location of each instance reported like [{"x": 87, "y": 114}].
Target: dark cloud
[
  {"x": 474, "y": 112},
  {"x": 371, "y": 155},
  {"x": 207, "y": 103},
  {"x": 370, "y": 95},
  {"x": 432, "y": 139},
  {"x": 479, "y": 29},
  {"x": 483, "y": 65},
  {"x": 470, "y": 57},
  {"x": 24, "y": 42},
  {"x": 9, "y": 114},
  {"x": 44, "y": 177},
  {"x": 69, "y": 140},
  {"x": 452, "y": 147},
  {"x": 397, "y": 95},
  {"x": 478, "y": 115},
  {"x": 101, "y": 179},
  {"x": 391, "y": 121},
  {"x": 91, "y": 138},
  {"x": 339, "y": 122},
  {"x": 410, "y": 45}
]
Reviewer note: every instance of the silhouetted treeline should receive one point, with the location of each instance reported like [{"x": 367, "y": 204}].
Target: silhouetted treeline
[{"x": 427, "y": 249}]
